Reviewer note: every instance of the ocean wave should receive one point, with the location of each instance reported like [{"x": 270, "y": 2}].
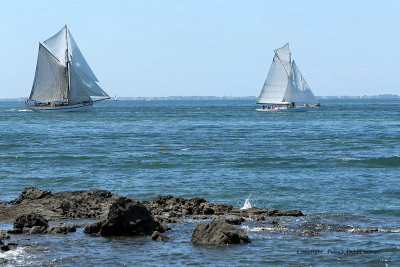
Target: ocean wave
[{"x": 392, "y": 161}]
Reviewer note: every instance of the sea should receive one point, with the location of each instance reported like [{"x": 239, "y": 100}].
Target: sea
[{"x": 339, "y": 164}]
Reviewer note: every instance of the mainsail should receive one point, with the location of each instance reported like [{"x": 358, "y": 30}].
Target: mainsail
[
  {"x": 284, "y": 82},
  {"x": 62, "y": 73},
  {"x": 50, "y": 82}
]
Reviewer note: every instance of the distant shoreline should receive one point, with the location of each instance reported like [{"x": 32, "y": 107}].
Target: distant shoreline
[{"x": 144, "y": 98}]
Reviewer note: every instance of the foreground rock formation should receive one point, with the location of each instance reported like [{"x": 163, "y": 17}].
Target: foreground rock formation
[
  {"x": 126, "y": 217},
  {"x": 218, "y": 232},
  {"x": 32, "y": 210}
]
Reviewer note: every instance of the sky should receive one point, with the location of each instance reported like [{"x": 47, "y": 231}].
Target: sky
[{"x": 209, "y": 47}]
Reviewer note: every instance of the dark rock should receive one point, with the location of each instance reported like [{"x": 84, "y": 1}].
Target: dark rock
[
  {"x": 157, "y": 236},
  {"x": 368, "y": 231},
  {"x": 30, "y": 220},
  {"x": 293, "y": 213},
  {"x": 234, "y": 220},
  {"x": 310, "y": 233},
  {"x": 62, "y": 229},
  {"x": 92, "y": 203},
  {"x": 126, "y": 217},
  {"x": 30, "y": 193},
  {"x": 14, "y": 231},
  {"x": 5, "y": 248},
  {"x": 199, "y": 217},
  {"x": 218, "y": 232},
  {"x": 35, "y": 230},
  {"x": 179, "y": 207},
  {"x": 93, "y": 228}
]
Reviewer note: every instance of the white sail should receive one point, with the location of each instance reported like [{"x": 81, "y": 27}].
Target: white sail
[
  {"x": 299, "y": 91},
  {"x": 57, "y": 45},
  {"x": 83, "y": 81},
  {"x": 62, "y": 73},
  {"x": 276, "y": 82},
  {"x": 79, "y": 61},
  {"x": 284, "y": 83},
  {"x": 50, "y": 78}
]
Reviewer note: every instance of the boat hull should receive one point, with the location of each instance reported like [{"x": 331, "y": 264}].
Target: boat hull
[
  {"x": 283, "y": 109},
  {"x": 70, "y": 108}
]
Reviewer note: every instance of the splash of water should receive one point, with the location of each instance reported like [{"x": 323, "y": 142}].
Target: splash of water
[{"x": 247, "y": 204}]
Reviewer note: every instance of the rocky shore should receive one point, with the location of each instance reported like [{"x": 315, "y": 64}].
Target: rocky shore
[{"x": 116, "y": 215}]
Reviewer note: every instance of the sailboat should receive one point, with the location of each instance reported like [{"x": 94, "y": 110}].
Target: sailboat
[
  {"x": 284, "y": 85},
  {"x": 63, "y": 79},
  {"x": 115, "y": 97}
]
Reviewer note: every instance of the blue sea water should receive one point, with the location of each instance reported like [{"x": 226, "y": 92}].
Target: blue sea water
[{"x": 339, "y": 164}]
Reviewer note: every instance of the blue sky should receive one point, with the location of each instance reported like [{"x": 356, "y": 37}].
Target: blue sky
[{"x": 215, "y": 47}]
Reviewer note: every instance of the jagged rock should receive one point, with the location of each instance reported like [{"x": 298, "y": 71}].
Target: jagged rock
[
  {"x": 126, "y": 217},
  {"x": 29, "y": 221},
  {"x": 62, "y": 229},
  {"x": 179, "y": 207},
  {"x": 92, "y": 203},
  {"x": 218, "y": 232},
  {"x": 5, "y": 248},
  {"x": 157, "y": 236},
  {"x": 30, "y": 193}
]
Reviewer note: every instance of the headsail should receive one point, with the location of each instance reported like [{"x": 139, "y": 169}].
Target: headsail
[
  {"x": 50, "y": 78},
  {"x": 83, "y": 81},
  {"x": 299, "y": 91}
]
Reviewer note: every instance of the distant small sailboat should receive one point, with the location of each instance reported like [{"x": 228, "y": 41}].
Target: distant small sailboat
[
  {"x": 284, "y": 85},
  {"x": 115, "y": 97},
  {"x": 63, "y": 79}
]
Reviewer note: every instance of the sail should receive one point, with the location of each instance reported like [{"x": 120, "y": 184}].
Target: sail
[
  {"x": 57, "y": 44},
  {"x": 79, "y": 61},
  {"x": 50, "y": 78},
  {"x": 275, "y": 85},
  {"x": 82, "y": 88},
  {"x": 84, "y": 83},
  {"x": 298, "y": 91}
]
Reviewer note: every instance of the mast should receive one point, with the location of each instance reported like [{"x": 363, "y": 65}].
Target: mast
[{"x": 67, "y": 62}]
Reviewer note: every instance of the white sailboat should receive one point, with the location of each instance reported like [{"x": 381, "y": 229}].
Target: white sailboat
[
  {"x": 63, "y": 79},
  {"x": 115, "y": 97},
  {"x": 284, "y": 85}
]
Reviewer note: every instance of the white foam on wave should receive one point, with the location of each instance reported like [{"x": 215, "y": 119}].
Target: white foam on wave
[
  {"x": 15, "y": 256},
  {"x": 247, "y": 204},
  {"x": 20, "y": 110},
  {"x": 257, "y": 228}
]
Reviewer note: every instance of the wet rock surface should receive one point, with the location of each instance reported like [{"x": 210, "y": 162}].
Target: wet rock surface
[
  {"x": 32, "y": 223},
  {"x": 157, "y": 236},
  {"x": 218, "y": 232}
]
